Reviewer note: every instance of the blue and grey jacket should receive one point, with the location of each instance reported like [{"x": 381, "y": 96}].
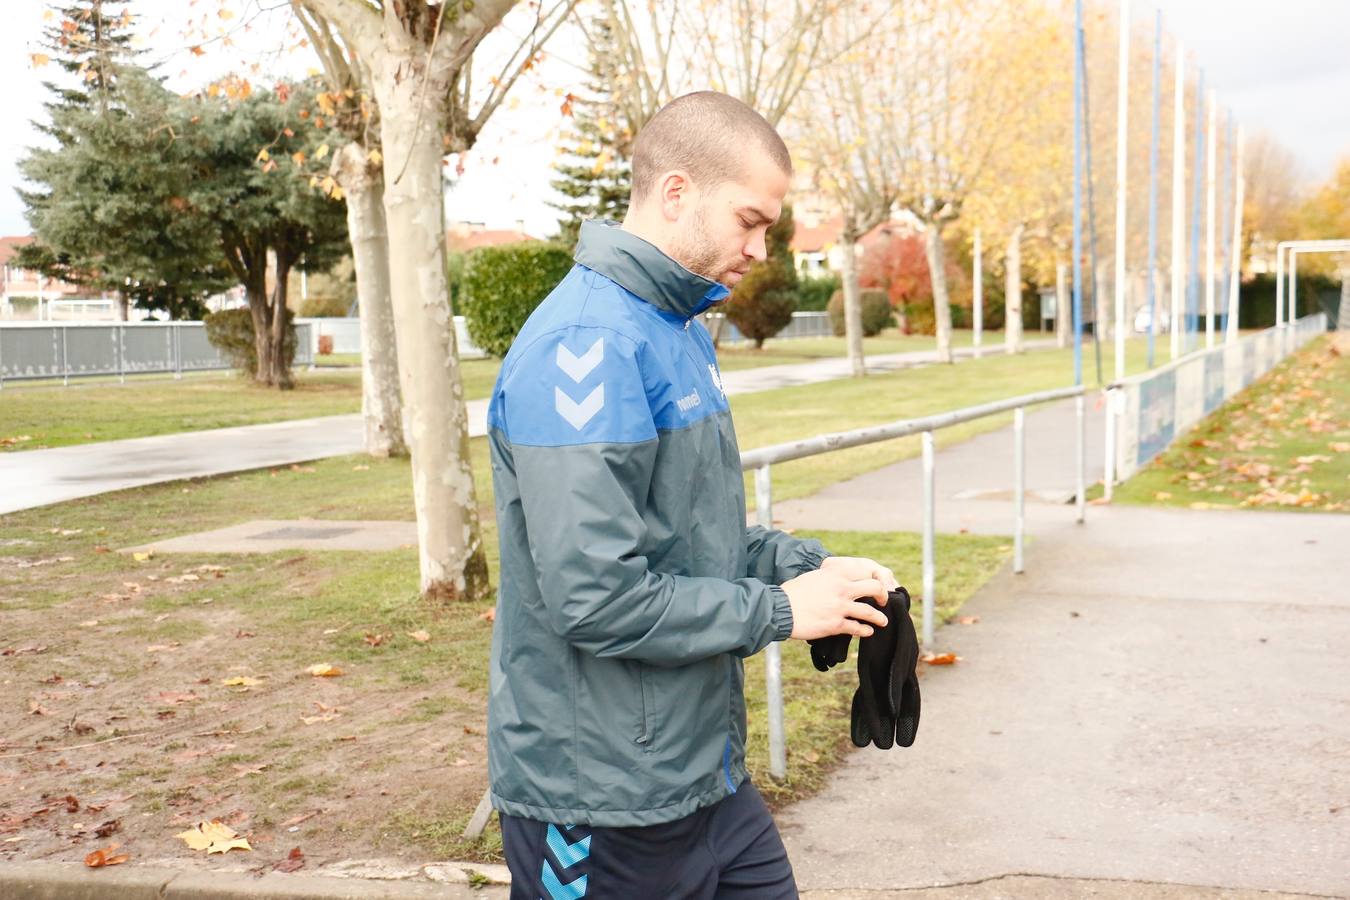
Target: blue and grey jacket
[{"x": 631, "y": 588}]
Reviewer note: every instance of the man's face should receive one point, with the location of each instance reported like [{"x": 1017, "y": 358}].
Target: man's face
[{"x": 723, "y": 231}]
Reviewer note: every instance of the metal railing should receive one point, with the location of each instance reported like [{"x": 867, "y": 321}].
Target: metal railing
[
  {"x": 70, "y": 350},
  {"x": 762, "y": 458}
]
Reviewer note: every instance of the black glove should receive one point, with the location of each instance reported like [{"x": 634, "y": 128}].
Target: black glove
[{"x": 886, "y": 704}]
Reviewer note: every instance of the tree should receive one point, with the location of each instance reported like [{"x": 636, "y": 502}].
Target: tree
[
  {"x": 356, "y": 167},
  {"x": 953, "y": 77},
  {"x": 596, "y": 179},
  {"x": 105, "y": 209},
  {"x": 762, "y": 302},
  {"x": 419, "y": 56},
  {"x": 249, "y": 151},
  {"x": 845, "y": 144}
]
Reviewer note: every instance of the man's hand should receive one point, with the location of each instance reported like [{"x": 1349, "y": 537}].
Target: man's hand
[
  {"x": 857, "y": 568},
  {"x": 825, "y": 602}
]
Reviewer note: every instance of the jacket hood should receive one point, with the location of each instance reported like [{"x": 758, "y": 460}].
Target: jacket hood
[{"x": 643, "y": 270}]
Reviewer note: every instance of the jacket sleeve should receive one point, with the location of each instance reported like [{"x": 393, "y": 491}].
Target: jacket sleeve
[
  {"x": 584, "y": 447},
  {"x": 776, "y": 557}
]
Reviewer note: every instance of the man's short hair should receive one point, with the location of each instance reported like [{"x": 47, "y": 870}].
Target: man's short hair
[{"x": 705, "y": 134}]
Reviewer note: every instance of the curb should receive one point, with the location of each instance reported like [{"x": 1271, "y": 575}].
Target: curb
[{"x": 74, "y": 881}]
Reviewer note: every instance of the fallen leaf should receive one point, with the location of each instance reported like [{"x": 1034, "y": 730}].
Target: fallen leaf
[
  {"x": 140, "y": 556},
  {"x": 100, "y": 858},
  {"x": 294, "y": 862},
  {"x": 242, "y": 770},
  {"x": 169, "y": 698},
  {"x": 213, "y": 837},
  {"x": 1162, "y": 495},
  {"x": 939, "y": 659},
  {"x": 72, "y": 803},
  {"x": 373, "y": 640},
  {"x": 160, "y": 648},
  {"x": 20, "y": 651},
  {"x": 360, "y": 468},
  {"x": 967, "y": 620},
  {"x": 108, "y": 827},
  {"x": 244, "y": 634},
  {"x": 488, "y": 615},
  {"x": 324, "y": 670},
  {"x": 420, "y": 636},
  {"x": 242, "y": 681}
]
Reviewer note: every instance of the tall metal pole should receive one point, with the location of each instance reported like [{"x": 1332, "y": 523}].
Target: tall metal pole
[
  {"x": 1235, "y": 284},
  {"x": 1178, "y": 202},
  {"x": 1279, "y": 286},
  {"x": 1019, "y": 487},
  {"x": 1225, "y": 251},
  {"x": 1193, "y": 285},
  {"x": 979, "y": 295},
  {"x": 1078, "y": 193},
  {"x": 1122, "y": 133},
  {"x": 1210, "y": 159},
  {"x": 1153, "y": 187}
]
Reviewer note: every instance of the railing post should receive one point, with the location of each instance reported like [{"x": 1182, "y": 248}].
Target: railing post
[
  {"x": 1081, "y": 494},
  {"x": 121, "y": 354},
  {"x": 1019, "y": 488},
  {"x": 929, "y": 567},
  {"x": 773, "y": 660},
  {"x": 177, "y": 351},
  {"x": 65, "y": 359},
  {"x": 1109, "y": 476}
]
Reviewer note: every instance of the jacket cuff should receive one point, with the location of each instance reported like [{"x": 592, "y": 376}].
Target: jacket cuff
[
  {"x": 811, "y": 554},
  {"x": 782, "y": 614}
]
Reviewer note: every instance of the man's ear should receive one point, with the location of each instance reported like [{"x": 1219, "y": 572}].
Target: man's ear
[{"x": 674, "y": 193}]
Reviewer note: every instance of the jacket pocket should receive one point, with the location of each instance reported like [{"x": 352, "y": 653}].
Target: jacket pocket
[{"x": 647, "y": 706}]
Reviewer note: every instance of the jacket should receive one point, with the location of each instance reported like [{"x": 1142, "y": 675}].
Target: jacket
[{"x": 631, "y": 588}]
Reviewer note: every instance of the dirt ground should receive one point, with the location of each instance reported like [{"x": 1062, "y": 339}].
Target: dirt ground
[{"x": 159, "y": 701}]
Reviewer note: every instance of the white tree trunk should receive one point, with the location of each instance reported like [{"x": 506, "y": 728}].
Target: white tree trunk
[
  {"x": 1063, "y": 314},
  {"x": 381, "y": 408},
  {"x": 1343, "y": 311},
  {"x": 1012, "y": 293},
  {"x": 453, "y": 565},
  {"x": 853, "y": 332},
  {"x": 942, "y": 306},
  {"x": 1101, "y": 323}
]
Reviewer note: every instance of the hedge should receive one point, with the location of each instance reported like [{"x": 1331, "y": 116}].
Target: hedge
[{"x": 502, "y": 285}]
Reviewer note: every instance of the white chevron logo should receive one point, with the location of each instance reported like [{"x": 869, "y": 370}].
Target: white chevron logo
[
  {"x": 578, "y": 367},
  {"x": 578, "y": 414}
]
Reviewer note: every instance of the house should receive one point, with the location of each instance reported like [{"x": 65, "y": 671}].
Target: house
[
  {"x": 23, "y": 292},
  {"x": 816, "y": 250},
  {"x": 461, "y": 237}
]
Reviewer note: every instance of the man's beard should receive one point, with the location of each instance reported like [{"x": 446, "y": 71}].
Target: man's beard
[{"x": 696, "y": 250}]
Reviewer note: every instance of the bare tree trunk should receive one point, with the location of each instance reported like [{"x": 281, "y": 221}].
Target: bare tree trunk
[
  {"x": 853, "y": 331},
  {"x": 452, "y": 561},
  {"x": 123, "y": 307},
  {"x": 381, "y": 407},
  {"x": 1342, "y": 337},
  {"x": 942, "y": 305},
  {"x": 1012, "y": 293},
  {"x": 255, "y": 295},
  {"x": 1063, "y": 315},
  {"x": 281, "y": 369},
  {"x": 718, "y": 324},
  {"x": 1103, "y": 317}
]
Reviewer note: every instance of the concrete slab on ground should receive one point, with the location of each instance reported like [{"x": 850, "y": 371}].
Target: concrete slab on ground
[
  {"x": 1160, "y": 698},
  {"x": 1026, "y": 887},
  {"x": 271, "y": 535}
]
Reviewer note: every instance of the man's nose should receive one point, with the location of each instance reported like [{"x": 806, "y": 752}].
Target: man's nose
[{"x": 757, "y": 249}]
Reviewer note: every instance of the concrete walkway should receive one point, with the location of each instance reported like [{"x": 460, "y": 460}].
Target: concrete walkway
[
  {"x": 38, "y": 477},
  {"x": 1159, "y": 707}
]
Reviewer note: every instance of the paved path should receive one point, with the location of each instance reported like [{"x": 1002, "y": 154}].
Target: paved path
[
  {"x": 1162, "y": 700},
  {"x": 38, "y": 477}
]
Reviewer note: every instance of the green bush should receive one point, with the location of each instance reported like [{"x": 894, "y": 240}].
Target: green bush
[
  {"x": 762, "y": 303},
  {"x": 813, "y": 294},
  {"x": 876, "y": 312},
  {"x": 323, "y": 307},
  {"x": 231, "y": 332},
  {"x": 502, "y": 286}
]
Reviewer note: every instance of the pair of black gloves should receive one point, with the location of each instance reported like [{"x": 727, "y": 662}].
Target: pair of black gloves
[{"x": 886, "y": 704}]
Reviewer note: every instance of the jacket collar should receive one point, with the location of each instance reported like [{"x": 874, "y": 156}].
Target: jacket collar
[{"x": 643, "y": 270}]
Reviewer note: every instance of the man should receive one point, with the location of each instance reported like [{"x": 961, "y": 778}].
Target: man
[{"x": 631, "y": 588}]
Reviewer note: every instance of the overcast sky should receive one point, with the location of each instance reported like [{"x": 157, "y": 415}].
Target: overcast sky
[{"x": 1281, "y": 66}]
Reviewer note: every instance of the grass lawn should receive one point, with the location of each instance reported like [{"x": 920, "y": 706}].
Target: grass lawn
[
  {"x": 1283, "y": 443},
  {"x": 39, "y": 415},
  {"x": 123, "y": 677}
]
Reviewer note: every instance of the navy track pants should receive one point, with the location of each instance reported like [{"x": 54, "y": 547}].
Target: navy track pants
[{"x": 730, "y": 850}]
